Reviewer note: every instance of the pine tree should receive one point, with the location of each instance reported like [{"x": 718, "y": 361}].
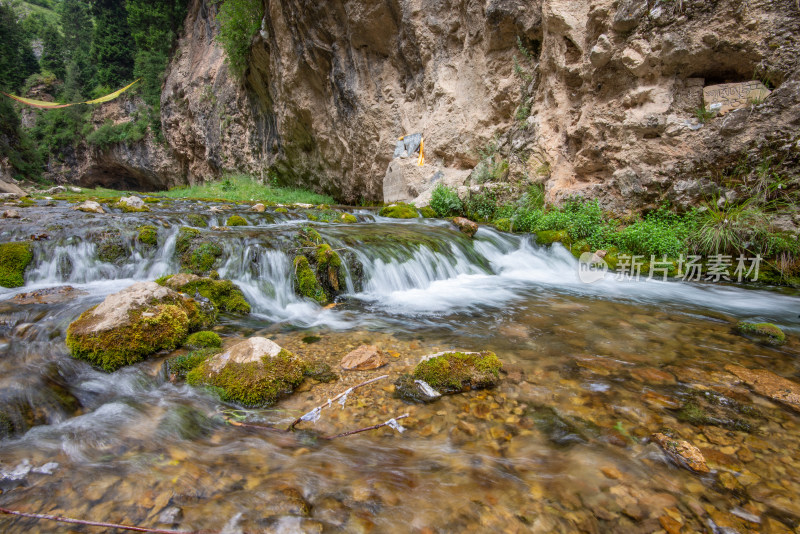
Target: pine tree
[
  {"x": 76, "y": 23},
  {"x": 53, "y": 52},
  {"x": 112, "y": 46}
]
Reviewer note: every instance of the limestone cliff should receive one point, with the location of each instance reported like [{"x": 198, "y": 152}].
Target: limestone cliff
[{"x": 604, "y": 107}]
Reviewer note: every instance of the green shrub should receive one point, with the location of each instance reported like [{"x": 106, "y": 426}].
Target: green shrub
[
  {"x": 729, "y": 229},
  {"x": 238, "y": 20},
  {"x": 109, "y": 133},
  {"x": 481, "y": 206},
  {"x": 445, "y": 201}
]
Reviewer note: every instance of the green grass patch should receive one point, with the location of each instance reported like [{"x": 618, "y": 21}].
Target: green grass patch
[{"x": 243, "y": 188}]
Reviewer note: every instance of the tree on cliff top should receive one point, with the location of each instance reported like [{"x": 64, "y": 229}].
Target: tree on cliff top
[{"x": 112, "y": 46}]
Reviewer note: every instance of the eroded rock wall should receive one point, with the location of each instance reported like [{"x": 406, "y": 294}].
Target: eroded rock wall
[{"x": 614, "y": 86}]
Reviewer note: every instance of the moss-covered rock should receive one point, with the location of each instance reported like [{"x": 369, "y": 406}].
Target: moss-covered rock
[
  {"x": 223, "y": 295},
  {"x": 148, "y": 235},
  {"x": 178, "y": 367},
  {"x": 14, "y": 259},
  {"x": 281, "y": 210},
  {"x": 399, "y": 211},
  {"x": 132, "y": 204},
  {"x": 548, "y": 237},
  {"x": 504, "y": 225},
  {"x": 765, "y": 332},
  {"x": 110, "y": 247},
  {"x": 197, "y": 255},
  {"x": 236, "y": 220},
  {"x": 197, "y": 220},
  {"x": 321, "y": 372},
  {"x": 130, "y": 325},
  {"x": 203, "y": 339},
  {"x": 330, "y": 272},
  {"x": 306, "y": 283},
  {"x": 348, "y": 218},
  {"x": 454, "y": 372},
  {"x": 254, "y": 373},
  {"x": 428, "y": 212}
]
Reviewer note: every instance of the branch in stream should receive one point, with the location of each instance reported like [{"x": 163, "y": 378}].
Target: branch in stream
[
  {"x": 314, "y": 414},
  {"x": 98, "y": 523},
  {"x": 391, "y": 422}
]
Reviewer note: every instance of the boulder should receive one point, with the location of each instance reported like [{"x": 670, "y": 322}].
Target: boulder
[
  {"x": 11, "y": 188},
  {"x": 253, "y": 373},
  {"x": 450, "y": 372},
  {"x": 11, "y": 214},
  {"x": 364, "y": 358},
  {"x": 259, "y": 208},
  {"x": 465, "y": 225},
  {"x": 765, "y": 332},
  {"x": 682, "y": 453},
  {"x": 89, "y": 206},
  {"x": 405, "y": 181},
  {"x": 129, "y": 326},
  {"x": 133, "y": 203}
]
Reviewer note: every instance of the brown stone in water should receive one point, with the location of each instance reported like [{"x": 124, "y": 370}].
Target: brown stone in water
[
  {"x": 11, "y": 214},
  {"x": 466, "y": 226},
  {"x": 652, "y": 375},
  {"x": 730, "y": 96},
  {"x": 669, "y": 524},
  {"x": 364, "y": 358},
  {"x": 682, "y": 452},
  {"x": 50, "y": 295},
  {"x": 769, "y": 385}
]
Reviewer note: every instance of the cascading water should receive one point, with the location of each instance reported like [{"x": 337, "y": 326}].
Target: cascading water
[{"x": 414, "y": 288}]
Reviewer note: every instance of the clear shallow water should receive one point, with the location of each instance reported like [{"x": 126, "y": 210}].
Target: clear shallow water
[{"x": 561, "y": 445}]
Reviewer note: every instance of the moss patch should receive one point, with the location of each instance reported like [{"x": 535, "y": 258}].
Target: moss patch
[
  {"x": 321, "y": 372},
  {"x": 111, "y": 248},
  {"x": 203, "y": 339},
  {"x": 148, "y": 235},
  {"x": 399, "y": 211},
  {"x": 14, "y": 259},
  {"x": 178, "y": 367},
  {"x": 236, "y": 220},
  {"x": 454, "y": 372},
  {"x": 281, "y": 210},
  {"x": 330, "y": 272},
  {"x": 197, "y": 255},
  {"x": 548, "y": 237},
  {"x": 306, "y": 282},
  {"x": 197, "y": 220},
  {"x": 428, "y": 212},
  {"x": 348, "y": 218},
  {"x": 766, "y": 332},
  {"x": 252, "y": 385},
  {"x": 224, "y": 295},
  {"x": 163, "y": 327}
]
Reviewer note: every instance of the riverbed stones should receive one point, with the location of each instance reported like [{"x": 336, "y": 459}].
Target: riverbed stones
[
  {"x": 682, "y": 453},
  {"x": 50, "y": 295},
  {"x": 132, "y": 204},
  {"x": 769, "y": 384},
  {"x": 465, "y": 226},
  {"x": 132, "y": 324},
  {"x": 253, "y": 373},
  {"x": 364, "y": 358},
  {"x": 89, "y": 206}
]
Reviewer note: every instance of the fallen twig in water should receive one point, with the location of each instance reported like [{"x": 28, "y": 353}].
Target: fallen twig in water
[
  {"x": 98, "y": 523},
  {"x": 391, "y": 422},
  {"x": 313, "y": 415}
]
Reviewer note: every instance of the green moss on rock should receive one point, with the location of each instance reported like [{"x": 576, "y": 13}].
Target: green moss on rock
[
  {"x": 178, "y": 367},
  {"x": 203, "y": 339},
  {"x": 281, "y": 210},
  {"x": 252, "y": 384},
  {"x": 454, "y": 372},
  {"x": 161, "y": 328},
  {"x": 399, "y": 211},
  {"x": 197, "y": 220},
  {"x": 14, "y": 259},
  {"x": 348, "y": 218},
  {"x": 148, "y": 235},
  {"x": 330, "y": 272},
  {"x": 766, "y": 332},
  {"x": 306, "y": 282},
  {"x": 224, "y": 295},
  {"x": 236, "y": 220},
  {"x": 504, "y": 225},
  {"x": 428, "y": 212},
  {"x": 111, "y": 248},
  {"x": 197, "y": 255},
  {"x": 548, "y": 237},
  {"x": 321, "y": 372}
]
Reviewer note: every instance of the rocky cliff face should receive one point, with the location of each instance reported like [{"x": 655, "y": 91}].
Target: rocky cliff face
[{"x": 605, "y": 105}]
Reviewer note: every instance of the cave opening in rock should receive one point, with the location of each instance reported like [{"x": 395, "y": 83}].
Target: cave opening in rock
[{"x": 121, "y": 177}]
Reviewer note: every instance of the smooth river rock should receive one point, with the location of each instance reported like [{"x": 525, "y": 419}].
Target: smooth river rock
[{"x": 364, "y": 358}]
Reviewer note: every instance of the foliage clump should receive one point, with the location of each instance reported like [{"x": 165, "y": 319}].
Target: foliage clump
[
  {"x": 239, "y": 20},
  {"x": 445, "y": 201},
  {"x": 14, "y": 259}
]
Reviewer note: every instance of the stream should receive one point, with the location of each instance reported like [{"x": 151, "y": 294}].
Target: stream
[{"x": 592, "y": 371}]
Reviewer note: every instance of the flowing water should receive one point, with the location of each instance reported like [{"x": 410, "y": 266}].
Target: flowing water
[{"x": 562, "y": 445}]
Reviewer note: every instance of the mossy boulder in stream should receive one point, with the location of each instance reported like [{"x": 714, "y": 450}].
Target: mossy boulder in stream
[
  {"x": 330, "y": 271},
  {"x": 254, "y": 373},
  {"x": 399, "y": 211},
  {"x": 14, "y": 259},
  {"x": 197, "y": 255},
  {"x": 148, "y": 235},
  {"x": 449, "y": 372},
  {"x": 307, "y": 284},
  {"x": 765, "y": 332},
  {"x": 223, "y": 295},
  {"x": 236, "y": 220},
  {"x": 129, "y": 326},
  {"x": 203, "y": 339},
  {"x": 110, "y": 247}
]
